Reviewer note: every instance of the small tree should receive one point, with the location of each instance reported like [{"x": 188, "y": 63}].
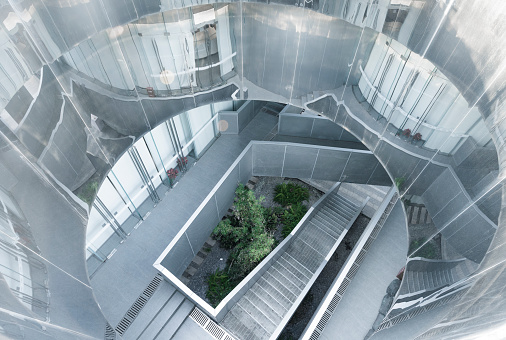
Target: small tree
[
  {"x": 228, "y": 234},
  {"x": 248, "y": 210},
  {"x": 251, "y": 252}
]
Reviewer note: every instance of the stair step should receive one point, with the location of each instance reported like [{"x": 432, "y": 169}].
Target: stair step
[
  {"x": 165, "y": 314},
  {"x": 292, "y": 276},
  {"x": 432, "y": 281},
  {"x": 415, "y": 285},
  {"x": 317, "y": 239},
  {"x": 305, "y": 255},
  {"x": 329, "y": 232},
  {"x": 292, "y": 265},
  {"x": 448, "y": 276},
  {"x": 276, "y": 294},
  {"x": 258, "y": 315},
  {"x": 341, "y": 199},
  {"x": 266, "y": 303},
  {"x": 150, "y": 310},
  {"x": 241, "y": 330},
  {"x": 278, "y": 284},
  {"x": 362, "y": 191},
  {"x": 332, "y": 228},
  {"x": 424, "y": 279},
  {"x": 330, "y": 214},
  {"x": 173, "y": 325},
  {"x": 340, "y": 208}
]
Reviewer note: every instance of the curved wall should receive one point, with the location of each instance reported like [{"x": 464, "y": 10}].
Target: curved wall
[{"x": 306, "y": 56}]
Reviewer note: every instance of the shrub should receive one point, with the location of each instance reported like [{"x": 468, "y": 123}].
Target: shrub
[
  {"x": 250, "y": 253},
  {"x": 399, "y": 182},
  {"x": 219, "y": 285},
  {"x": 289, "y": 193},
  {"x": 271, "y": 219},
  {"x": 228, "y": 234},
  {"x": 248, "y": 210},
  {"x": 88, "y": 191},
  {"x": 291, "y": 218}
]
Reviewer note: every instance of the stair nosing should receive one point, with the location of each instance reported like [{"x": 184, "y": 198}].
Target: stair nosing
[
  {"x": 258, "y": 309},
  {"x": 293, "y": 274},
  {"x": 291, "y": 303},
  {"x": 262, "y": 288},
  {"x": 308, "y": 278},
  {"x": 261, "y": 299},
  {"x": 287, "y": 279},
  {"x": 303, "y": 266}
]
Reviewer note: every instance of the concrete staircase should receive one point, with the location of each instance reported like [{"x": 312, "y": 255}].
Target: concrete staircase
[
  {"x": 277, "y": 293},
  {"x": 358, "y": 192},
  {"x": 417, "y": 214},
  {"x": 161, "y": 317},
  {"x": 423, "y": 275}
]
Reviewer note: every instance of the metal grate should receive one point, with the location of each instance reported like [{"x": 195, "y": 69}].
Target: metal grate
[
  {"x": 209, "y": 325},
  {"x": 137, "y": 306},
  {"x": 110, "y": 334},
  {"x": 333, "y": 304}
]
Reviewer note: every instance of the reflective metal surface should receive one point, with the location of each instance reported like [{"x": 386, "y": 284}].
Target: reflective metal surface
[{"x": 80, "y": 81}]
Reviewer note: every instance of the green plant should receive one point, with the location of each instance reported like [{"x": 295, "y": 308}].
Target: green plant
[
  {"x": 250, "y": 253},
  {"x": 399, "y": 182},
  {"x": 271, "y": 219},
  {"x": 291, "y": 218},
  {"x": 88, "y": 191},
  {"x": 219, "y": 285},
  {"x": 228, "y": 234},
  {"x": 427, "y": 251},
  {"x": 289, "y": 193},
  {"x": 246, "y": 233},
  {"x": 248, "y": 210}
]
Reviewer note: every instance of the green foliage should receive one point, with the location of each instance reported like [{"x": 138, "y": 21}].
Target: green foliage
[
  {"x": 289, "y": 193},
  {"x": 88, "y": 191},
  {"x": 228, "y": 234},
  {"x": 399, "y": 182},
  {"x": 251, "y": 253},
  {"x": 271, "y": 219},
  {"x": 245, "y": 233},
  {"x": 291, "y": 217},
  {"x": 248, "y": 210},
  {"x": 219, "y": 285},
  {"x": 428, "y": 251}
]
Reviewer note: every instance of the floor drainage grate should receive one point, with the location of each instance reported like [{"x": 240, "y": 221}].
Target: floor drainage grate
[
  {"x": 137, "y": 306},
  {"x": 209, "y": 325},
  {"x": 110, "y": 334}
]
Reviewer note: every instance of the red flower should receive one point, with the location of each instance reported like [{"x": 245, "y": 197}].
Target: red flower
[{"x": 172, "y": 173}]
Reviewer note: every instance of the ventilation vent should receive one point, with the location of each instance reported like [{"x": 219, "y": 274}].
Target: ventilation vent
[
  {"x": 110, "y": 334},
  {"x": 137, "y": 306},
  {"x": 209, "y": 325}
]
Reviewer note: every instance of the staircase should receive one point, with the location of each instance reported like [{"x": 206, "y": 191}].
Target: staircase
[
  {"x": 271, "y": 301},
  {"x": 161, "y": 317},
  {"x": 358, "y": 192},
  {"x": 423, "y": 275},
  {"x": 417, "y": 214}
]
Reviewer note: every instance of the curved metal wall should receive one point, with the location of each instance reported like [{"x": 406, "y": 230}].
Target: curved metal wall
[{"x": 306, "y": 55}]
